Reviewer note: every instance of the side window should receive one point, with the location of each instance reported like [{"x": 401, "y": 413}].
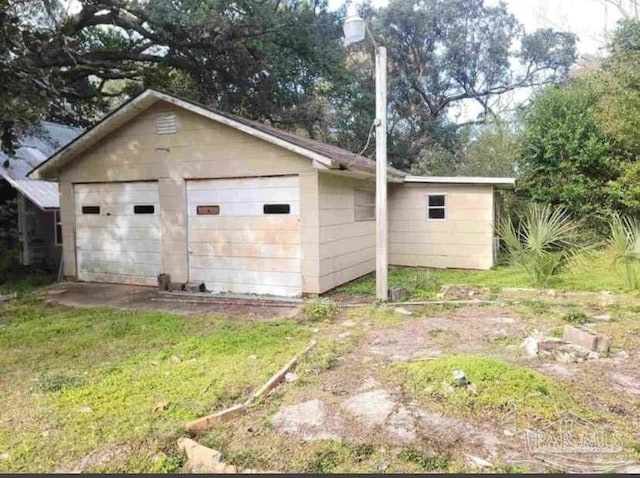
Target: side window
[
  {"x": 365, "y": 201},
  {"x": 436, "y": 206},
  {"x": 276, "y": 209},
  {"x": 144, "y": 209},
  {"x": 57, "y": 224},
  {"x": 90, "y": 209}
]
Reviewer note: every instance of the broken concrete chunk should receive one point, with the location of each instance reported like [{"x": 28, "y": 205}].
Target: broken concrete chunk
[
  {"x": 530, "y": 344},
  {"x": 200, "y": 458},
  {"x": 397, "y": 293},
  {"x": 586, "y": 339}
]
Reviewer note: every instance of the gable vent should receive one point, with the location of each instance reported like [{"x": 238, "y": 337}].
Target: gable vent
[{"x": 166, "y": 123}]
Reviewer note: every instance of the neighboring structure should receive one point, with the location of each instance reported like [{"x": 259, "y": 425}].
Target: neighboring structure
[
  {"x": 39, "y": 224},
  {"x": 164, "y": 185}
]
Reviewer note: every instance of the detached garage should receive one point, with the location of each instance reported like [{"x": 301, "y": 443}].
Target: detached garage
[{"x": 164, "y": 185}]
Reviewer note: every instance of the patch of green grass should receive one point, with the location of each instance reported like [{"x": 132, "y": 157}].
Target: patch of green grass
[
  {"x": 593, "y": 273},
  {"x": 501, "y": 388},
  {"x": 426, "y": 461},
  {"x": 143, "y": 375},
  {"x": 576, "y": 316}
]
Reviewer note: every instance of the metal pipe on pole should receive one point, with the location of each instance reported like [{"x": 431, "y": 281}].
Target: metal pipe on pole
[{"x": 382, "y": 256}]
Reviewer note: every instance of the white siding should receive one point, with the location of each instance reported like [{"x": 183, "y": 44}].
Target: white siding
[
  {"x": 118, "y": 245},
  {"x": 464, "y": 239},
  {"x": 347, "y": 246},
  {"x": 243, "y": 250}
]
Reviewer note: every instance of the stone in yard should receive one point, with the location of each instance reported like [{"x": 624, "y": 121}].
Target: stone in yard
[
  {"x": 200, "y": 459},
  {"x": 622, "y": 355},
  {"x": 476, "y": 460},
  {"x": 586, "y": 339},
  {"x": 307, "y": 420},
  {"x": 102, "y": 456},
  {"x": 626, "y": 383},
  {"x": 368, "y": 384},
  {"x": 632, "y": 468},
  {"x": 371, "y": 407},
  {"x": 4, "y": 456},
  {"x": 290, "y": 377},
  {"x": 86, "y": 410},
  {"x": 397, "y": 293},
  {"x": 603, "y": 317},
  {"x": 530, "y": 344},
  {"x": 344, "y": 335},
  {"x": 402, "y": 311},
  {"x": 402, "y": 425},
  {"x": 253, "y": 357}
]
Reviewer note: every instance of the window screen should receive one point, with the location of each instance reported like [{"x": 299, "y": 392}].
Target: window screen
[
  {"x": 144, "y": 209},
  {"x": 276, "y": 209},
  {"x": 213, "y": 210},
  {"x": 90, "y": 209},
  {"x": 365, "y": 205},
  {"x": 436, "y": 206}
]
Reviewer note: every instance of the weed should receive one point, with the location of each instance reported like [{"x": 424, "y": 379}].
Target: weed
[
  {"x": 537, "y": 307},
  {"x": 320, "y": 310},
  {"x": 426, "y": 461},
  {"x": 54, "y": 382},
  {"x": 576, "y": 316},
  {"x": 436, "y": 332},
  {"x": 323, "y": 461},
  {"x": 362, "y": 452}
]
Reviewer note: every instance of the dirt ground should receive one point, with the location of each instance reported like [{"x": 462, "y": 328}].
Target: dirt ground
[
  {"x": 348, "y": 397},
  {"x": 128, "y": 297}
]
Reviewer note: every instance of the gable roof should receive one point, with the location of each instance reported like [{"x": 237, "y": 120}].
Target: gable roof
[
  {"x": 324, "y": 156},
  {"x": 33, "y": 149}
]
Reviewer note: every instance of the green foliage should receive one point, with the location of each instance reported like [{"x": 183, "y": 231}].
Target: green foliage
[
  {"x": 577, "y": 317},
  {"x": 564, "y": 159},
  {"x": 320, "y": 310},
  {"x": 426, "y": 461},
  {"x": 624, "y": 247},
  {"x": 501, "y": 388},
  {"x": 543, "y": 241}
]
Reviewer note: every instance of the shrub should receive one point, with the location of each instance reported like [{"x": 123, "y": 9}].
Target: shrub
[
  {"x": 624, "y": 245},
  {"x": 543, "y": 241},
  {"x": 319, "y": 310}
]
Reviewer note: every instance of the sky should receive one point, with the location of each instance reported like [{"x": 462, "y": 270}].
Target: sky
[{"x": 589, "y": 19}]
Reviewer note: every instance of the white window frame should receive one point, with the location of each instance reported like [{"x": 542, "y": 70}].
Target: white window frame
[
  {"x": 362, "y": 205},
  {"x": 444, "y": 208},
  {"x": 57, "y": 221}
]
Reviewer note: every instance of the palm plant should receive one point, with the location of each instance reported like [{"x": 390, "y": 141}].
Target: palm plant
[
  {"x": 542, "y": 242},
  {"x": 624, "y": 246}
]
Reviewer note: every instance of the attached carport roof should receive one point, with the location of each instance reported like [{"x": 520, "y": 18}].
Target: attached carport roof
[{"x": 324, "y": 156}]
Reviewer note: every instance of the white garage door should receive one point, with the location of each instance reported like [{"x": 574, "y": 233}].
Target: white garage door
[
  {"x": 118, "y": 232},
  {"x": 244, "y": 235}
]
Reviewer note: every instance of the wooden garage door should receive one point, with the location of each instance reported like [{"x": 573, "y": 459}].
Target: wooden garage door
[
  {"x": 244, "y": 235},
  {"x": 118, "y": 232}
]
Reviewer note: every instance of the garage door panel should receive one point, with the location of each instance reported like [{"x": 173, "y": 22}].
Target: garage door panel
[
  {"x": 241, "y": 249},
  {"x": 100, "y": 235},
  {"x": 275, "y": 251},
  {"x": 245, "y": 263},
  {"x": 119, "y": 257},
  {"x": 117, "y": 245},
  {"x": 277, "y": 222},
  {"x": 105, "y": 198},
  {"x": 121, "y": 268},
  {"x": 289, "y": 279},
  {"x": 148, "y": 222},
  {"x": 243, "y": 208},
  {"x": 247, "y": 236},
  {"x": 119, "y": 279}
]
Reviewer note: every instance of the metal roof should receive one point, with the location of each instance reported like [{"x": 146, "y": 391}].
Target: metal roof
[
  {"x": 33, "y": 149},
  {"x": 502, "y": 183}
]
